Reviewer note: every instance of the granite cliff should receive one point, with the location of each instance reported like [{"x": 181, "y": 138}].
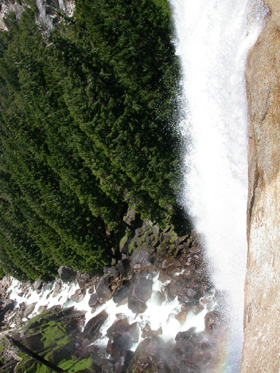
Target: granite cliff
[{"x": 262, "y": 296}]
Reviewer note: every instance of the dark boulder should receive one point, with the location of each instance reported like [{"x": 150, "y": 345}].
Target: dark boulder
[
  {"x": 191, "y": 293},
  {"x": 213, "y": 320},
  {"x": 123, "y": 327},
  {"x": 140, "y": 292},
  {"x": 67, "y": 274},
  {"x": 123, "y": 266},
  {"x": 147, "y": 357},
  {"x": 83, "y": 279},
  {"x": 94, "y": 324},
  {"x": 79, "y": 295},
  {"x": 141, "y": 289},
  {"x": 133, "y": 332},
  {"x": 136, "y": 306},
  {"x": 148, "y": 332},
  {"x": 93, "y": 300},
  {"x": 194, "y": 352},
  {"x": 123, "y": 362},
  {"x": 122, "y": 292},
  {"x": 119, "y": 326},
  {"x": 6, "y": 305},
  {"x": 141, "y": 257},
  {"x": 118, "y": 343},
  {"x": 102, "y": 288},
  {"x": 111, "y": 271}
]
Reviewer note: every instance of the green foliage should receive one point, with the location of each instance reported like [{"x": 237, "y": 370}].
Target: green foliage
[
  {"x": 56, "y": 333},
  {"x": 87, "y": 127}
]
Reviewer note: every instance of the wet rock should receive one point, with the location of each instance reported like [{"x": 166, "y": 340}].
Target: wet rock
[
  {"x": 197, "y": 308},
  {"x": 142, "y": 289},
  {"x": 136, "y": 306},
  {"x": 120, "y": 326},
  {"x": 141, "y": 257},
  {"x": 97, "y": 353},
  {"x": 102, "y": 288},
  {"x": 213, "y": 321},
  {"x": 169, "y": 262},
  {"x": 93, "y": 300},
  {"x": 111, "y": 271},
  {"x": 148, "y": 332},
  {"x": 194, "y": 352},
  {"x": 57, "y": 288},
  {"x": 78, "y": 296},
  {"x": 83, "y": 279},
  {"x": 6, "y": 305},
  {"x": 67, "y": 274},
  {"x": 195, "y": 250},
  {"x": 94, "y": 324},
  {"x": 174, "y": 288},
  {"x": 147, "y": 357},
  {"x": 181, "y": 316},
  {"x": 42, "y": 308},
  {"x": 133, "y": 332},
  {"x": 118, "y": 343},
  {"x": 37, "y": 285},
  {"x": 122, "y": 292},
  {"x": 191, "y": 293},
  {"x": 123, "y": 327},
  {"x": 29, "y": 309},
  {"x": 123, "y": 362},
  {"x": 121, "y": 268}
]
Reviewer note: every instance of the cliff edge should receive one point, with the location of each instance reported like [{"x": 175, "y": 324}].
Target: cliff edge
[{"x": 261, "y": 350}]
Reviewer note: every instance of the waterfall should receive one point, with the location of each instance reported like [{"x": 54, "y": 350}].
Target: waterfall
[{"x": 213, "y": 39}]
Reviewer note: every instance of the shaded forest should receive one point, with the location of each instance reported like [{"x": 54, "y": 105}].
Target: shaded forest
[{"x": 88, "y": 114}]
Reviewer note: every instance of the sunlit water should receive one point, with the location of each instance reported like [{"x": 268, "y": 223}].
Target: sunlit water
[{"x": 214, "y": 37}]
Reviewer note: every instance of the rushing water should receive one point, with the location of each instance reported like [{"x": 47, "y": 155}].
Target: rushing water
[
  {"x": 159, "y": 314},
  {"x": 214, "y": 37}
]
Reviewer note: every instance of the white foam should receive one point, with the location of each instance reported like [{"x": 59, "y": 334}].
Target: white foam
[{"x": 159, "y": 314}]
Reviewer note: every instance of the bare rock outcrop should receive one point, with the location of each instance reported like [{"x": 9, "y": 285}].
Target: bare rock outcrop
[{"x": 262, "y": 289}]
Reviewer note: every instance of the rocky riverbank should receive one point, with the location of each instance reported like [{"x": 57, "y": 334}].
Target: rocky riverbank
[{"x": 106, "y": 322}]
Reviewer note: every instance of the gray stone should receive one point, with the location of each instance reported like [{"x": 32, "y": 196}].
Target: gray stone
[
  {"x": 93, "y": 300},
  {"x": 141, "y": 256},
  {"x": 29, "y": 309},
  {"x": 67, "y": 274},
  {"x": 94, "y": 324},
  {"x": 191, "y": 293},
  {"x": 102, "y": 288},
  {"x": 37, "y": 285}
]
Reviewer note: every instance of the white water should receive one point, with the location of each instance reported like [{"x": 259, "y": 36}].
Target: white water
[
  {"x": 159, "y": 314},
  {"x": 214, "y": 37}
]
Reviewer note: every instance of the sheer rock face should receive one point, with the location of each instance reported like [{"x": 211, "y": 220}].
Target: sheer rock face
[{"x": 262, "y": 289}]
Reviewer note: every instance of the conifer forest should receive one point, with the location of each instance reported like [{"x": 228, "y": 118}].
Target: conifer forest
[{"x": 88, "y": 129}]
